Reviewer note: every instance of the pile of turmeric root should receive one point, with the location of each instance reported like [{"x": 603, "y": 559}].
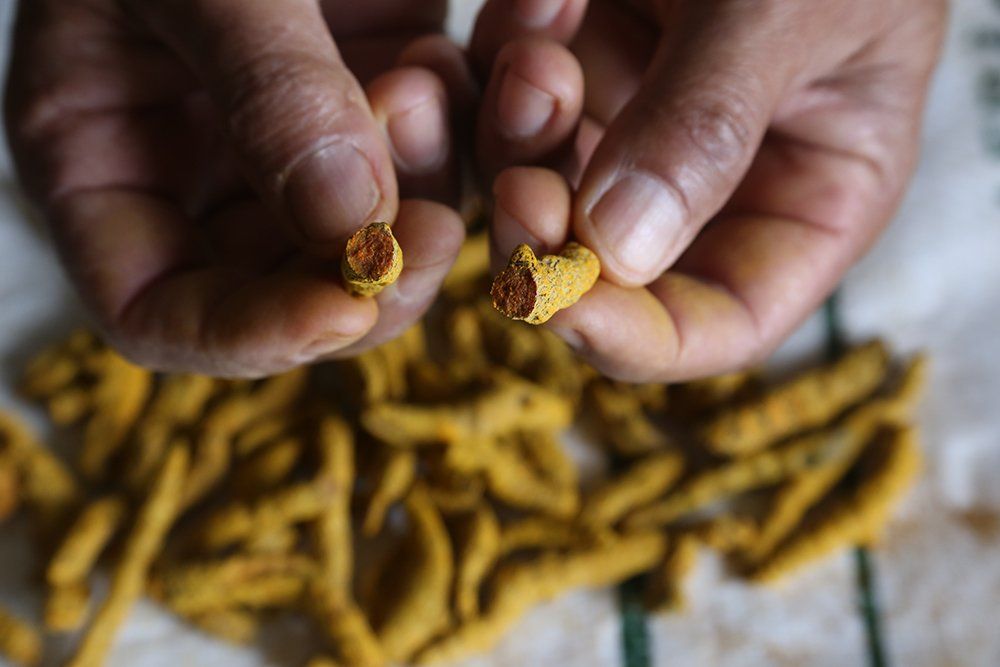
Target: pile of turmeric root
[{"x": 414, "y": 502}]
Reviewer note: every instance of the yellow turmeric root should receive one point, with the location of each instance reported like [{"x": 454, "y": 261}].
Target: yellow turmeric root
[
  {"x": 533, "y": 289},
  {"x": 420, "y": 609},
  {"x": 477, "y": 553},
  {"x": 509, "y": 405},
  {"x": 19, "y": 642},
  {"x": 809, "y": 400},
  {"x": 643, "y": 482},
  {"x": 372, "y": 260},
  {"x": 888, "y": 469},
  {"x": 521, "y": 585},
  {"x": 128, "y": 582}
]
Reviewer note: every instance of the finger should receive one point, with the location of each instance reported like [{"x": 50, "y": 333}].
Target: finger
[
  {"x": 430, "y": 236},
  {"x": 502, "y": 21},
  {"x": 676, "y": 152},
  {"x": 530, "y": 205},
  {"x": 411, "y": 105},
  {"x": 531, "y": 106},
  {"x": 447, "y": 60},
  {"x": 308, "y": 141},
  {"x": 614, "y": 48},
  {"x": 137, "y": 263},
  {"x": 749, "y": 278}
]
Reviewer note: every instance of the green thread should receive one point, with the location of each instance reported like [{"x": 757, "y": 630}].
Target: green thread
[
  {"x": 635, "y": 633},
  {"x": 864, "y": 568}
]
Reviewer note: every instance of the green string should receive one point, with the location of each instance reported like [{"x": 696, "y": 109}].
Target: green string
[
  {"x": 863, "y": 563},
  {"x": 635, "y": 634}
]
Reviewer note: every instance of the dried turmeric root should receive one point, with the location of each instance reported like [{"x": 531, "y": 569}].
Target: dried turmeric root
[
  {"x": 19, "y": 642},
  {"x": 812, "y": 399},
  {"x": 886, "y": 471},
  {"x": 640, "y": 484},
  {"x": 420, "y": 609},
  {"x": 665, "y": 592},
  {"x": 372, "y": 260},
  {"x": 521, "y": 585},
  {"x": 510, "y": 404},
  {"x": 533, "y": 289},
  {"x": 256, "y": 581},
  {"x": 477, "y": 553},
  {"x": 154, "y": 519},
  {"x": 397, "y": 468}
]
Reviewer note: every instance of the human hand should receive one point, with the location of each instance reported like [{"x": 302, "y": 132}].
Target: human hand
[
  {"x": 201, "y": 162},
  {"x": 729, "y": 160}
]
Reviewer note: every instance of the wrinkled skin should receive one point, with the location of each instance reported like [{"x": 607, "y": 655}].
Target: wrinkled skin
[{"x": 758, "y": 149}]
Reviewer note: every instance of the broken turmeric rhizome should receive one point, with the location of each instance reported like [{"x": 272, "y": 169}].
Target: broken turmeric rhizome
[{"x": 412, "y": 504}]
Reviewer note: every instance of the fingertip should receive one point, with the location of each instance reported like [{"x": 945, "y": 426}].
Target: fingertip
[
  {"x": 535, "y": 94},
  {"x": 625, "y": 333},
  {"x": 412, "y": 106},
  {"x": 430, "y": 235},
  {"x": 531, "y": 205}
]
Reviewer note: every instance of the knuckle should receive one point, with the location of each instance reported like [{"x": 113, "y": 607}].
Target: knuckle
[
  {"x": 278, "y": 105},
  {"x": 719, "y": 130}
]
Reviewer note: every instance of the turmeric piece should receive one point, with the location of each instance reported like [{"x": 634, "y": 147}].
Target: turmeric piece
[
  {"x": 66, "y": 607},
  {"x": 93, "y": 529},
  {"x": 268, "y": 467},
  {"x": 622, "y": 422},
  {"x": 372, "y": 260},
  {"x": 48, "y": 489},
  {"x": 238, "y": 521},
  {"x": 10, "y": 485},
  {"x": 236, "y": 626},
  {"x": 548, "y": 456},
  {"x": 518, "y": 586},
  {"x": 154, "y": 519},
  {"x": 889, "y": 468},
  {"x": 477, "y": 553},
  {"x": 420, "y": 609},
  {"x": 664, "y": 592},
  {"x": 213, "y": 446},
  {"x": 397, "y": 469},
  {"x": 349, "y": 631},
  {"x": 533, "y": 289},
  {"x": 508, "y": 405},
  {"x": 724, "y": 533},
  {"x": 118, "y": 397},
  {"x": 539, "y": 532},
  {"x": 177, "y": 403},
  {"x": 643, "y": 482},
  {"x": 454, "y": 493},
  {"x": 69, "y": 405},
  {"x": 57, "y": 366},
  {"x": 807, "y": 401},
  {"x": 334, "y": 541},
  {"x": 19, "y": 642},
  {"x": 755, "y": 471},
  {"x": 255, "y": 581},
  {"x": 513, "y": 481}
]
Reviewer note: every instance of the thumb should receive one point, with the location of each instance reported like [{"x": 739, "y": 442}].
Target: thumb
[
  {"x": 305, "y": 136},
  {"x": 677, "y": 151}
]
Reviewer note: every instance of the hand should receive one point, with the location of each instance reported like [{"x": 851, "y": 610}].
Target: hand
[
  {"x": 201, "y": 163},
  {"x": 729, "y": 159}
]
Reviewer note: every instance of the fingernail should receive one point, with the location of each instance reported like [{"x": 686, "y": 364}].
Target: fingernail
[
  {"x": 327, "y": 344},
  {"x": 522, "y": 109},
  {"x": 537, "y": 13},
  {"x": 636, "y": 222},
  {"x": 571, "y": 337},
  {"x": 508, "y": 232},
  {"x": 332, "y": 192},
  {"x": 419, "y": 136}
]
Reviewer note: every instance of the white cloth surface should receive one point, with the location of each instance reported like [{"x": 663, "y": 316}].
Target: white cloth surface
[{"x": 932, "y": 282}]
